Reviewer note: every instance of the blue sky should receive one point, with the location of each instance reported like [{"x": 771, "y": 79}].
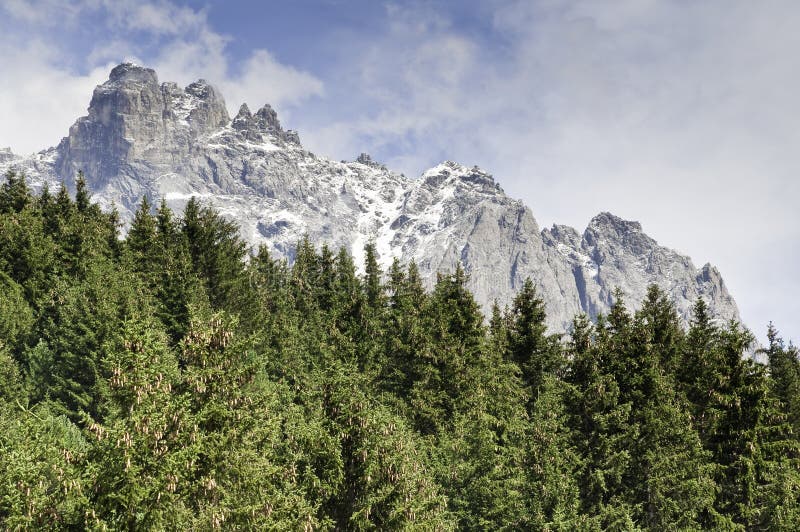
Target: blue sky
[{"x": 680, "y": 114}]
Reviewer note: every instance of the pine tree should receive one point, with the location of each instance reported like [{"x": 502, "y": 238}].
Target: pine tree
[
  {"x": 407, "y": 338},
  {"x": 45, "y": 474},
  {"x": 147, "y": 445},
  {"x": 661, "y": 323},
  {"x": 80, "y": 317},
  {"x": 305, "y": 276},
  {"x": 555, "y": 463},
  {"x": 702, "y": 372},
  {"x": 456, "y": 335},
  {"x": 16, "y": 317},
  {"x": 327, "y": 279},
  {"x": 753, "y": 444},
  {"x": 385, "y": 483},
  {"x": 217, "y": 253},
  {"x": 371, "y": 354},
  {"x": 14, "y": 193},
  {"x": 82, "y": 196},
  {"x": 27, "y": 255},
  {"x": 784, "y": 370},
  {"x": 141, "y": 242},
  {"x": 176, "y": 286},
  {"x": 372, "y": 280},
  {"x": 671, "y": 478},
  {"x": 262, "y": 465},
  {"x": 600, "y": 417},
  {"x": 537, "y": 353}
]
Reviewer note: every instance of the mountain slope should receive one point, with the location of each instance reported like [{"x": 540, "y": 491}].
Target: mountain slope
[{"x": 141, "y": 137}]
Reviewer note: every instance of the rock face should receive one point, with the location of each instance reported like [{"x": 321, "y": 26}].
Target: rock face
[
  {"x": 6, "y": 156},
  {"x": 138, "y": 131},
  {"x": 616, "y": 253},
  {"x": 159, "y": 140}
]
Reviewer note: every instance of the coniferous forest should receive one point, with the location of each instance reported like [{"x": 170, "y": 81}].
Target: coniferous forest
[{"x": 175, "y": 379}]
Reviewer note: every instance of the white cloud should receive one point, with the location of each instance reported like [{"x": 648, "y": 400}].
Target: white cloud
[
  {"x": 419, "y": 79},
  {"x": 40, "y": 97},
  {"x": 265, "y": 80},
  {"x": 46, "y": 12},
  {"x": 38, "y": 102}
]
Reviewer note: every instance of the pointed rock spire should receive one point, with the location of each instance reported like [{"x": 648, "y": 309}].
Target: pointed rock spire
[
  {"x": 243, "y": 121},
  {"x": 267, "y": 119}
]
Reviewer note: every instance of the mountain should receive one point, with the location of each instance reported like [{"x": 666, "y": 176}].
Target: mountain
[{"x": 145, "y": 138}]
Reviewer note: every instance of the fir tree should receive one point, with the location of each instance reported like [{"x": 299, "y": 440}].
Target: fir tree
[
  {"x": 14, "y": 193},
  {"x": 537, "y": 353},
  {"x": 784, "y": 370},
  {"x": 82, "y": 196}
]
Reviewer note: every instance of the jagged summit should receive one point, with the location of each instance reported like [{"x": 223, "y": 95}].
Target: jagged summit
[
  {"x": 608, "y": 223},
  {"x": 448, "y": 171},
  {"x": 145, "y": 138},
  {"x": 132, "y": 72},
  {"x": 366, "y": 159},
  {"x": 263, "y": 122},
  {"x": 6, "y": 155}
]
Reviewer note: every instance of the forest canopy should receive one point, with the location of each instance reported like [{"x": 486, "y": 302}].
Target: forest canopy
[{"x": 175, "y": 379}]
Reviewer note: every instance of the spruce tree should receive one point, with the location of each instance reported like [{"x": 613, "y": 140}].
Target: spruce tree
[
  {"x": 784, "y": 371},
  {"x": 14, "y": 193},
  {"x": 217, "y": 253},
  {"x": 555, "y": 462},
  {"x": 82, "y": 196},
  {"x": 373, "y": 286},
  {"x": 530, "y": 347},
  {"x": 141, "y": 242}
]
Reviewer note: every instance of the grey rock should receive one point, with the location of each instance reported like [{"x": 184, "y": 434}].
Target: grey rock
[
  {"x": 264, "y": 123},
  {"x": 366, "y": 159},
  {"x": 6, "y": 155},
  {"x": 614, "y": 253},
  {"x": 142, "y": 138}
]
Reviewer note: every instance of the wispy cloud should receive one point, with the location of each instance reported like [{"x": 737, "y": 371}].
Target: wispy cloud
[{"x": 47, "y": 89}]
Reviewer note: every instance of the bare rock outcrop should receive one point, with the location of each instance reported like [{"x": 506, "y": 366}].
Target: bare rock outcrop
[{"x": 145, "y": 138}]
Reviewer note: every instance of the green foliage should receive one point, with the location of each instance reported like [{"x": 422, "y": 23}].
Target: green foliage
[
  {"x": 14, "y": 193},
  {"x": 385, "y": 483},
  {"x": 536, "y": 353},
  {"x": 78, "y": 319},
  {"x": 215, "y": 249},
  {"x": 44, "y": 478},
  {"x": 16, "y": 316},
  {"x": 169, "y": 380},
  {"x": 784, "y": 369},
  {"x": 10, "y": 380}
]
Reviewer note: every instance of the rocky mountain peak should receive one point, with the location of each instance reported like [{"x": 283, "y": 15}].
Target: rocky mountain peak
[
  {"x": 263, "y": 123},
  {"x": 136, "y": 126},
  {"x": 267, "y": 119},
  {"x": 142, "y": 138},
  {"x": 562, "y": 234},
  {"x": 610, "y": 231},
  {"x": 6, "y": 155},
  {"x": 245, "y": 124},
  {"x": 131, "y": 72},
  {"x": 366, "y": 159},
  {"x": 243, "y": 115},
  {"x": 607, "y": 222},
  {"x": 458, "y": 174},
  {"x": 202, "y": 89}
]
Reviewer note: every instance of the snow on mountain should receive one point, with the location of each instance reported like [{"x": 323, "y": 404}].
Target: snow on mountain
[{"x": 142, "y": 138}]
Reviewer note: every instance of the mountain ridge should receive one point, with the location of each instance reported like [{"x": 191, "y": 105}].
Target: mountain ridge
[{"x": 145, "y": 138}]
